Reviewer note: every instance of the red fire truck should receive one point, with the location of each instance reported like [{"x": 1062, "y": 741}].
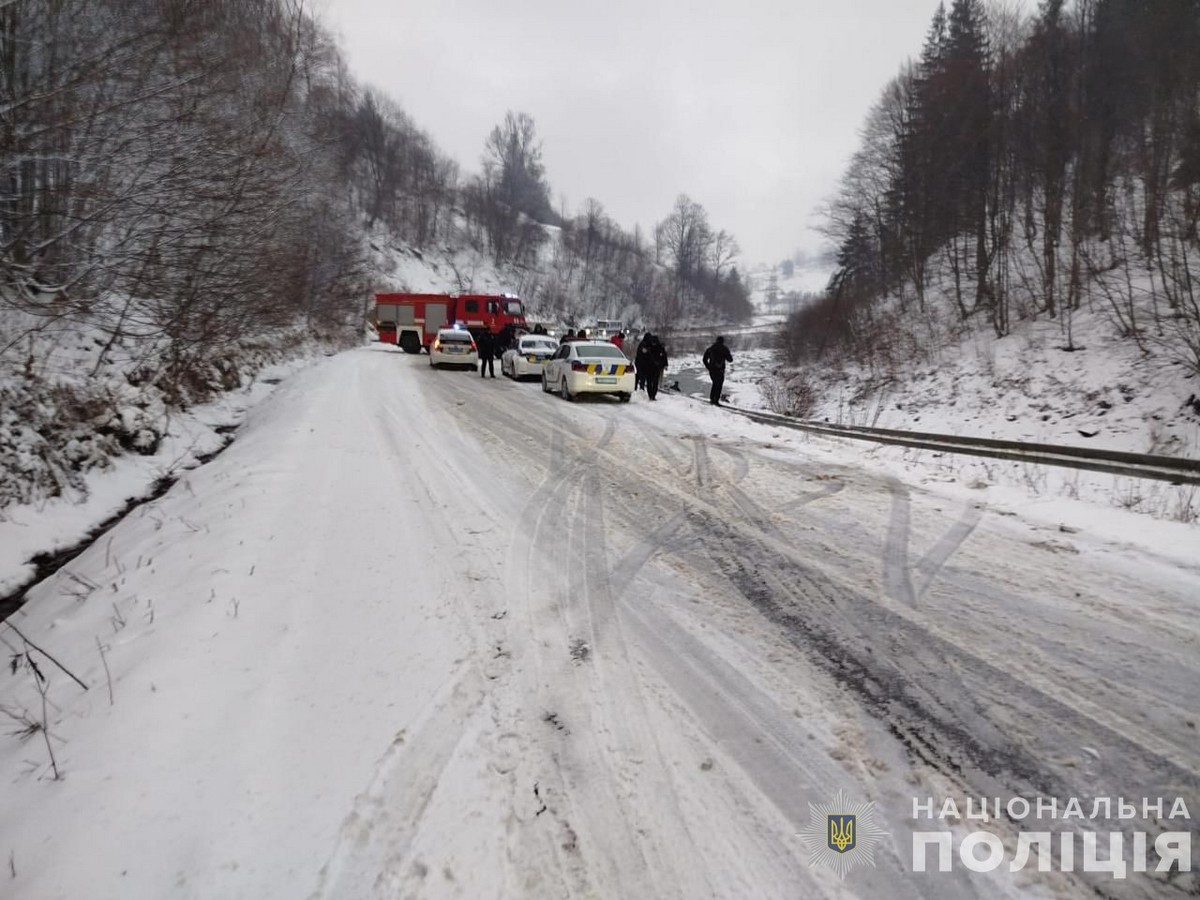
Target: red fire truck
[{"x": 411, "y": 321}]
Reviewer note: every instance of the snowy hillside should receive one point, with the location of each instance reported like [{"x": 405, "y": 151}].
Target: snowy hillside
[
  {"x": 1074, "y": 381},
  {"x": 88, "y": 425},
  {"x": 789, "y": 284},
  {"x": 397, "y": 266},
  {"x": 1026, "y": 386}
]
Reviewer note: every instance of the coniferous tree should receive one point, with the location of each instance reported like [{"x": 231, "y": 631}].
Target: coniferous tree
[
  {"x": 968, "y": 112},
  {"x": 919, "y": 198}
]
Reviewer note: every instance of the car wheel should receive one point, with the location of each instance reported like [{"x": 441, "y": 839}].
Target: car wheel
[
  {"x": 564, "y": 391},
  {"x": 545, "y": 384},
  {"x": 625, "y": 398}
]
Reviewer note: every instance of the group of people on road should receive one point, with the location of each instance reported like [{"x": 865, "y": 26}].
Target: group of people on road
[
  {"x": 649, "y": 359},
  {"x": 649, "y": 363}
]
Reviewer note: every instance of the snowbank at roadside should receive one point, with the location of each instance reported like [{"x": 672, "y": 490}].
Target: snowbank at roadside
[{"x": 49, "y": 526}]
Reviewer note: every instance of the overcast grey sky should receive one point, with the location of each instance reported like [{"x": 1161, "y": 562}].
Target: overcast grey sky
[{"x": 751, "y": 107}]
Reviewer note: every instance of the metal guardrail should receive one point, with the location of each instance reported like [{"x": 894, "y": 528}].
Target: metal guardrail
[{"x": 1175, "y": 470}]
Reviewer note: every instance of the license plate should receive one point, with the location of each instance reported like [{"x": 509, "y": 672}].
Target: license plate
[
  {"x": 454, "y": 349},
  {"x": 606, "y": 381}
]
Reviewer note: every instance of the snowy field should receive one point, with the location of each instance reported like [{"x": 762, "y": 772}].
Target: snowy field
[{"x": 414, "y": 635}]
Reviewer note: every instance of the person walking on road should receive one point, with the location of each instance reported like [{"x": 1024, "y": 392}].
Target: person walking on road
[
  {"x": 650, "y": 364},
  {"x": 715, "y": 359},
  {"x": 639, "y": 380},
  {"x": 487, "y": 354}
]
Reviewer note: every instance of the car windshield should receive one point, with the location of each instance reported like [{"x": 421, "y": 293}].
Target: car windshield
[
  {"x": 601, "y": 351},
  {"x": 529, "y": 345},
  {"x": 455, "y": 336}
]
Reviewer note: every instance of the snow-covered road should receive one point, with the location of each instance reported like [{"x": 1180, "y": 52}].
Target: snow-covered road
[{"x": 418, "y": 635}]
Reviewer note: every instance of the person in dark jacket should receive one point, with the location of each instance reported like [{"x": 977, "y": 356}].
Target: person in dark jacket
[
  {"x": 651, "y": 362},
  {"x": 505, "y": 339},
  {"x": 487, "y": 353},
  {"x": 715, "y": 358}
]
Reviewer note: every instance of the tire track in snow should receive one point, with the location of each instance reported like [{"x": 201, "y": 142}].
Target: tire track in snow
[
  {"x": 929, "y": 565},
  {"x": 623, "y": 739},
  {"x": 912, "y": 675},
  {"x": 602, "y": 750},
  {"x": 745, "y": 505},
  {"x": 769, "y": 745},
  {"x": 853, "y": 624},
  {"x": 761, "y": 738},
  {"x": 859, "y": 639},
  {"x": 896, "y": 579},
  {"x": 371, "y": 854},
  {"x": 709, "y": 489},
  {"x": 701, "y": 465},
  {"x": 912, "y": 679},
  {"x": 827, "y": 489},
  {"x": 665, "y": 538},
  {"x": 517, "y": 750},
  {"x": 741, "y": 465},
  {"x": 502, "y": 725},
  {"x": 665, "y": 448},
  {"x": 936, "y": 721},
  {"x": 930, "y": 694},
  {"x": 897, "y": 574},
  {"x": 571, "y": 776}
]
